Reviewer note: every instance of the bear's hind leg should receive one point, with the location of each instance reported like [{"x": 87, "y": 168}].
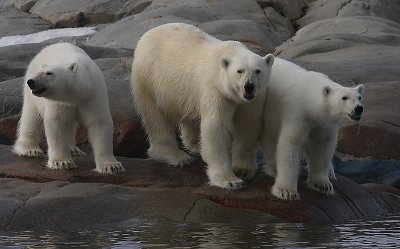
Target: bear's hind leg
[
  {"x": 190, "y": 135},
  {"x": 59, "y": 124},
  {"x": 319, "y": 154},
  {"x": 269, "y": 148},
  {"x": 29, "y": 132},
  {"x": 161, "y": 132},
  {"x": 75, "y": 151}
]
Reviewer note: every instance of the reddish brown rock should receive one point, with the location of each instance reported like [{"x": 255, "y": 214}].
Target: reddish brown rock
[{"x": 351, "y": 201}]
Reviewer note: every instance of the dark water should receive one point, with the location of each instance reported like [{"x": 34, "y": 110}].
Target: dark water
[{"x": 378, "y": 233}]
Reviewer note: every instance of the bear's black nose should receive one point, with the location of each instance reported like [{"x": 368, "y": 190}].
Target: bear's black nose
[
  {"x": 249, "y": 88},
  {"x": 358, "y": 110},
  {"x": 31, "y": 83}
]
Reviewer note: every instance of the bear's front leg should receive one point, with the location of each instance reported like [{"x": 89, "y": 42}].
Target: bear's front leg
[
  {"x": 100, "y": 132},
  {"x": 319, "y": 152},
  {"x": 289, "y": 151},
  {"x": 29, "y": 131},
  {"x": 59, "y": 123},
  {"x": 75, "y": 151},
  {"x": 248, "y": 122},
  {"x": 216, "y": 130},
  {"x": 269, "y": 146}
]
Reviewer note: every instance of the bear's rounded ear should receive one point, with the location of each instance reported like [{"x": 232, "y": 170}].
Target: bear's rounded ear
[
  {"x": 73, "y": 67},
  {"x": 225, "y": 63},
  {"x": 326, "y": 91},
  {"x": 360, "y": 88},
  {"x": 269, "y": 59}
]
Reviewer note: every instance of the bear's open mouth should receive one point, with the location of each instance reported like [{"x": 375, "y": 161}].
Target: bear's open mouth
[
  {"x": 355, "y": 117},
  {"x": 248, "y": 96},
  {"x": 38, "y": 91}
]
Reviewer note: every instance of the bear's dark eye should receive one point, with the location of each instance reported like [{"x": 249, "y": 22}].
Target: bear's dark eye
[
  {"x": 239, "y": 71},
  {"x": 345, "y": 98},
  {"x": 258, "y": 71},
  {"x": 49, "y": 73},
  {"x": 359, "y": 97}
]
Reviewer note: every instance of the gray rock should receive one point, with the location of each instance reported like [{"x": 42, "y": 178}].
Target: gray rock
[
  {"x": 324, "y": 9},
  {"x": 292, "y": 9},
  {"x": 8, "y": 208},
  {"x": 370, "y": 171},
  {"x": 203, "y": 209},
  {"x": 14, "y": 22},
  {"x": 229, "y": 19},
  {"x": 65, "y": 13},
  {"x": 6, "y": 3},
  {"x": 24, "y": 5},
  {"x": 52, "y": 205},
  {"x": 334, "y": 46}
]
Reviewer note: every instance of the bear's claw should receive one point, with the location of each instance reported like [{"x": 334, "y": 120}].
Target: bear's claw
[
  {"x": 31, "y": 152},
  {"x": 61, "y": 164},
  {"x": 233, "y": 183},
  {"x": 75, "y": 151},
  {"x": 111, "y": 168},
  {"x": 244, "y": 173},
  {"x": 285, "y": 194},
  {"x": 322, "y": 187}
]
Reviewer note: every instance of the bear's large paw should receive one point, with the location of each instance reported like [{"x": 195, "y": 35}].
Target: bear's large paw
[
  {"x": 230, "y": 182},
  {"x": 285, "y": 193},
  {"x": 181, "y": 160},
  {"x": 61, "y": 164},
  {"x": 324, "y": 187},
  {"x": 75, "y": 151},
  {"x": 172, "y": 156},
  {"x": 245, "y": 172},
  {"x": 110, "y": 168},
  {"x": 28, "y": 152}
]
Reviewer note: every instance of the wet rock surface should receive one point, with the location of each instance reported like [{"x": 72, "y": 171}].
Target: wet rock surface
[{"x": 34, "y": 196}]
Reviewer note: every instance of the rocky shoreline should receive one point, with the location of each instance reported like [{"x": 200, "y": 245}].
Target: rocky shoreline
[{"x": 355, "y": 42}]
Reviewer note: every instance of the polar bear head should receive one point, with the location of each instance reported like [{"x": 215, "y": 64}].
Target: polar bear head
[
  {"x": 53, "y": 82},
  {"x": 345, "y": 102},
  {"x": 247, "y": 73}
]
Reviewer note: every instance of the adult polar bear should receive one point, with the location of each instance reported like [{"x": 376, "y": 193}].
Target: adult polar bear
[
  {"x": 184, "y": 77},
  {"x": 301, "y": 115},
  {"x": 63, "y": 85}
]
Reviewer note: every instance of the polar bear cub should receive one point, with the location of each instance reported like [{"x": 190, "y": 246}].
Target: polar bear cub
[
  {"x": 301, "y": 117},
  {"x": 183, "y": 77},
  {"x": 64, "y": 86}
]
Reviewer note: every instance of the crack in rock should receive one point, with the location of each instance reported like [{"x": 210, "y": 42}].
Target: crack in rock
[
  {"x": 190, "y": 210},
  {"x": 19, "y": 208}
]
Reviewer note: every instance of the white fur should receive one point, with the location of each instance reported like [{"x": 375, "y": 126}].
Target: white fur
[
  {"x": 76, "y": 91},
  {"x": 301, "y": 117},
  {"x": 183, "y": 77}
]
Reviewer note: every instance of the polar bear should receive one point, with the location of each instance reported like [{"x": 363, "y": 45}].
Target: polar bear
[
  {"x": 301, "y": 117},
  {"x": 183, "y": 77},
  {"x": 64, "y": 86}
]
